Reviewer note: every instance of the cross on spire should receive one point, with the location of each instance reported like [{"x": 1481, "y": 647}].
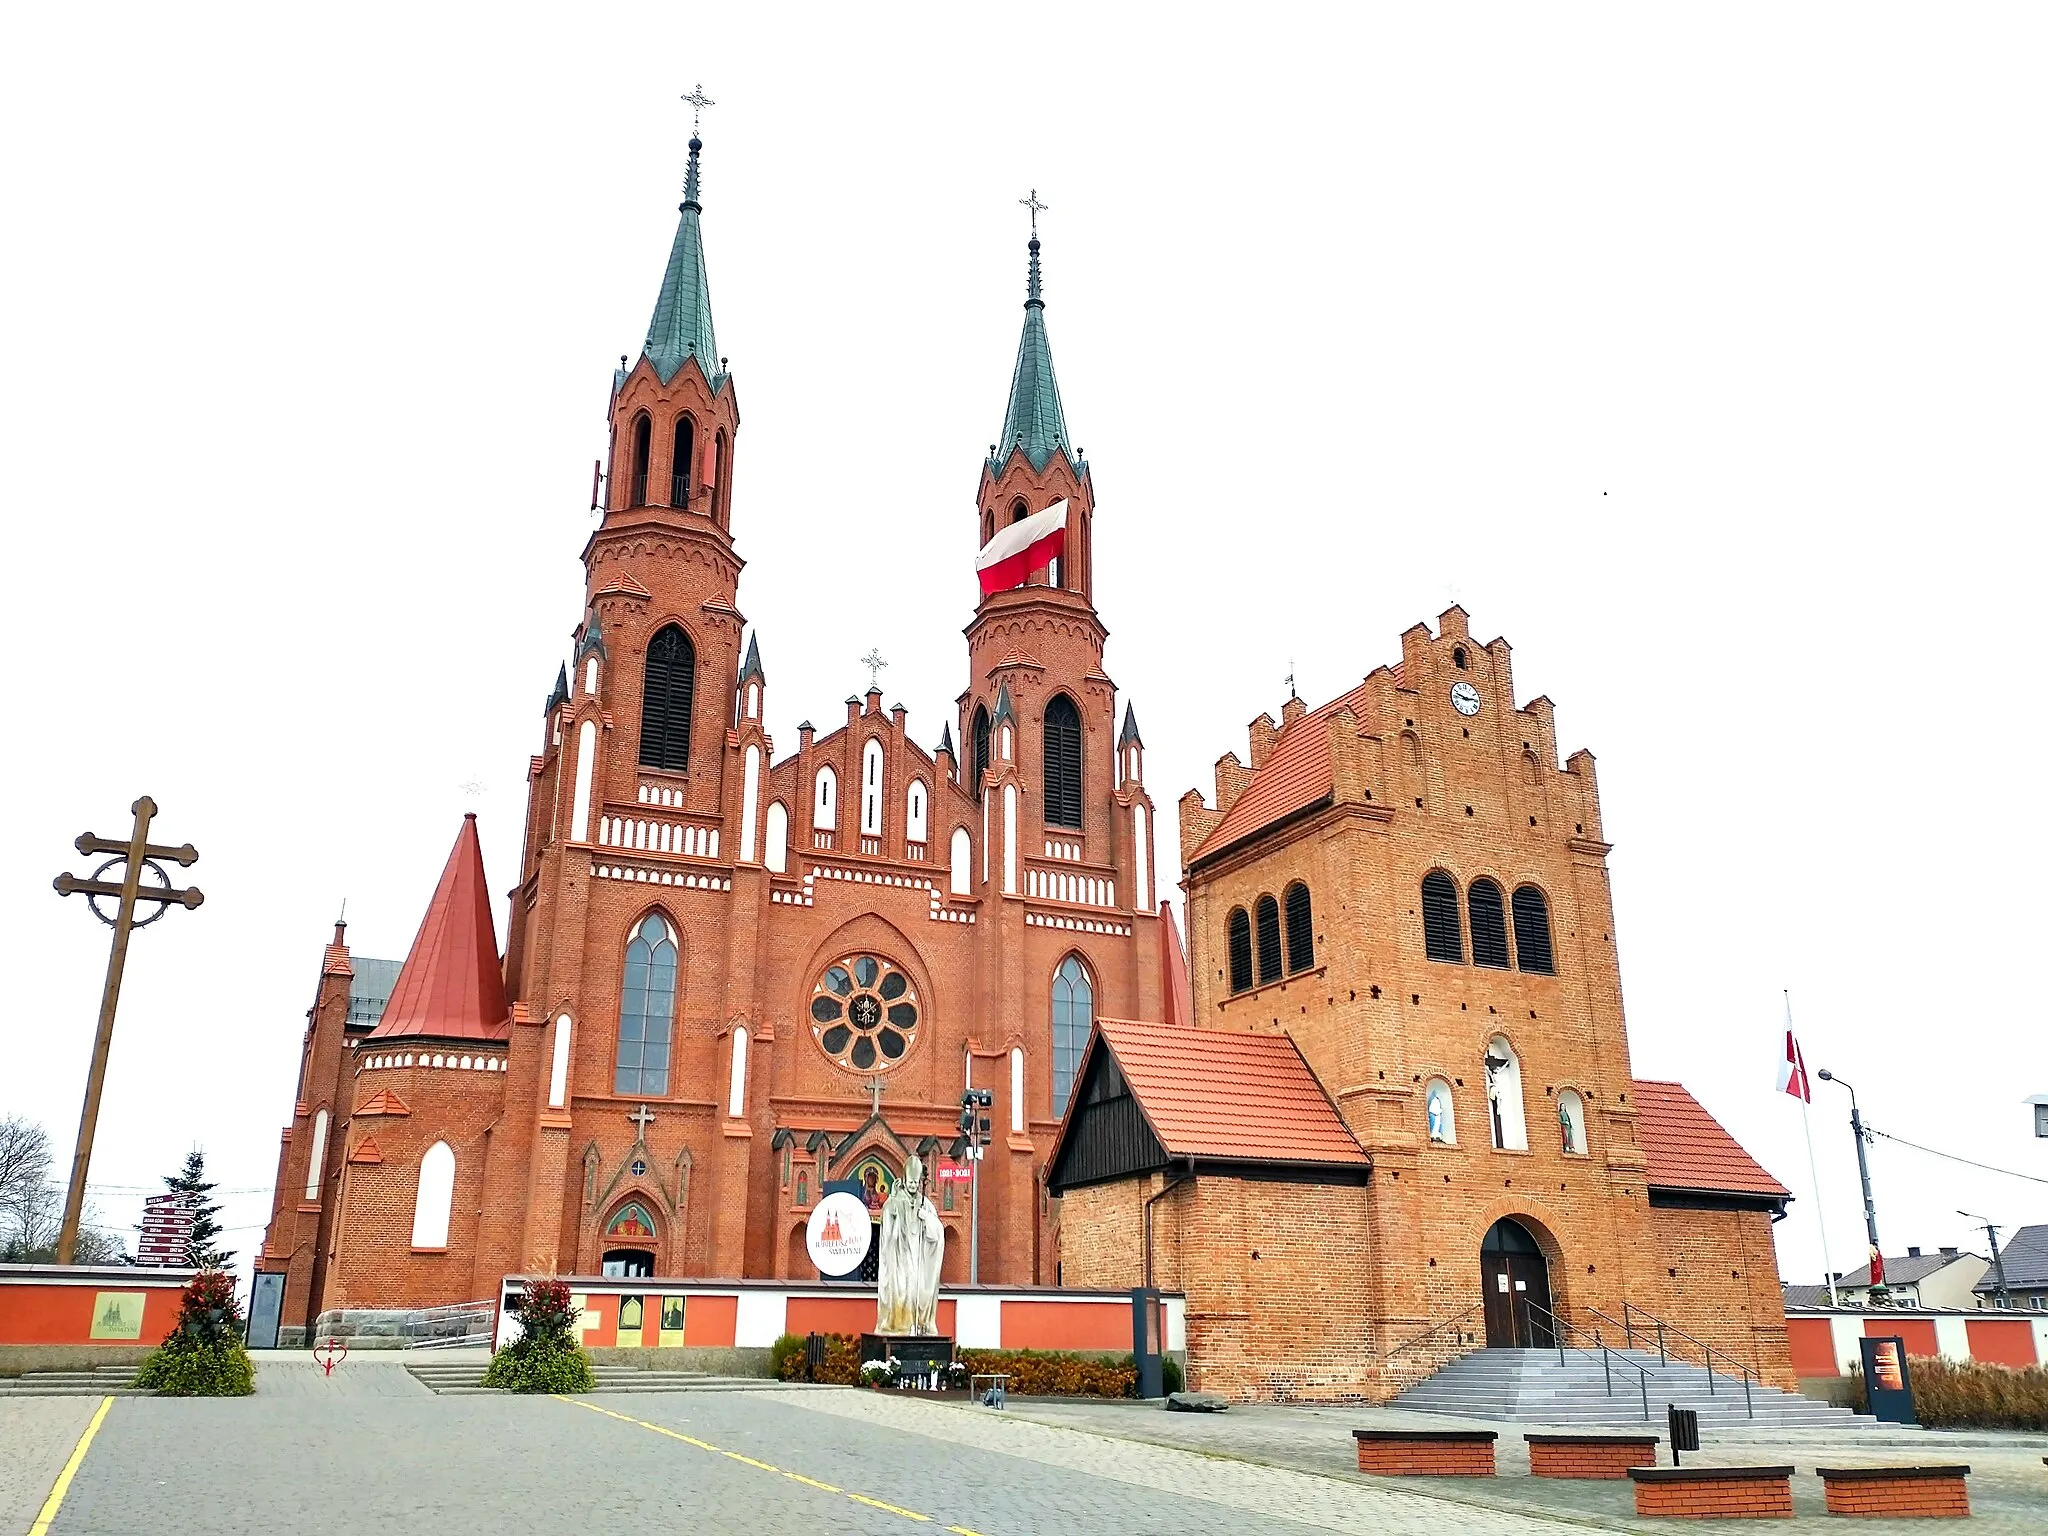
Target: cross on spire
[
  {"x": 1035, "y": 206},
  {"x": 642, "y": 1117},
  {"x": 698, "y": 102},
  {"x": 874, "y": 663}
]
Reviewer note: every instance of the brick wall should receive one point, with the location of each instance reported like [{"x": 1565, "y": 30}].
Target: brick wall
[
  {"x": 1856, "y": 1492},
  {"x": 1707, "y": 1497},
  {"x": 1604, "y": 1457}
]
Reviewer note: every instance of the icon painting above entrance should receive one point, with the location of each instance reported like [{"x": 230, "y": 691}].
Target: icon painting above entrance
[{"x": 1516, "y": 1281}]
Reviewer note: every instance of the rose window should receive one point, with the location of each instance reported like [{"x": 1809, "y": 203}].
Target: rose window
[{"x": 864, "y": 1013}]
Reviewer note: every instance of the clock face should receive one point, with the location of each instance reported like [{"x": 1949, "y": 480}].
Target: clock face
[{"x": 1465, "y": 698}]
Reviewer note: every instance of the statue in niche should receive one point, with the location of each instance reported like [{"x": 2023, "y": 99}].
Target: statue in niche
[
  {"x": 1439, "y": 1113},
  {"x": 913, "y": 1246}
]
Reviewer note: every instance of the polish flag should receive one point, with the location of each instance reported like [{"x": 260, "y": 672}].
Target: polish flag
[
  {"x": 1015, "y": 552},
  {"x": 1792, "y": 1071}
]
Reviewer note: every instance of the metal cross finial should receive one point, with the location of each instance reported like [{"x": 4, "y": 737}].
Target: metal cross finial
[
  {"x": 642, "y": 1117},
  {"x": 874, "y": 663},
  {"x": 698, "y": 102},
  {"x": 1035, "y": 206}
]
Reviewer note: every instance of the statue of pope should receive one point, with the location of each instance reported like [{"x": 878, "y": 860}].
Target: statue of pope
[{"x": 913, "y": 1244}]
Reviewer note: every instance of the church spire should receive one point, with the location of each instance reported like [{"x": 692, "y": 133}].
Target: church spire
[
  {"x": 681, "y": 325},
  {"x": 1034, "y": 421}
]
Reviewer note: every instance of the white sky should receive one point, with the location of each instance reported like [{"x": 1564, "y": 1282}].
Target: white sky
[{"x": 1698, "y": 355}]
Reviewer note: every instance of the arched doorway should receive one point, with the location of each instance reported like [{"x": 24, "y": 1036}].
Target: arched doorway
[
  {"x": 1515, "y": 1279},
  {"x": 629, "y": 1243}
]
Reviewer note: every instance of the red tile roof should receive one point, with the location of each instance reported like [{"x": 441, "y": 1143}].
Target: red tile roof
[
  {"x": 1294, "y": 776},
  {"x": 382, "y": 1102},
  {"x": 367, "y": 1151},
  {"x": 1211, "y": 1093},
  {"x": 451, "y": 987},
  {"x": 1684, "y": 1147}
]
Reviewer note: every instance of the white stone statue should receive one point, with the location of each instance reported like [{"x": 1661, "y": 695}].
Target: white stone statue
[{"x": 913, "y": 1245}]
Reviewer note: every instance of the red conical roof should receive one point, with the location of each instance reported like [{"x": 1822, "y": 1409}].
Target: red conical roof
[{"x": 451, "y": 987}]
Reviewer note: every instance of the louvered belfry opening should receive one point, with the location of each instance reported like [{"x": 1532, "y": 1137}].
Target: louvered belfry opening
[
  {"x": 1532, "y": 932},
  {"x": 1442, "y": 933},
  {"x": 666, "y": 700},
  {"x": 1062, "y": 763},
  {"x": 1489, "y": 924},
  {"x": 1266, "y": 920},
  {"x": 981, "y": 735},
  {"x": 1240, "y": 935},
  {"x": 679, "y": 463},
  {"x": 1301, "y": 937}
]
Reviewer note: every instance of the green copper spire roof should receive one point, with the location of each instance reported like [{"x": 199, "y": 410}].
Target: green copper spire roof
[
  {"x": 682, "y": 315},
  {"x": 1034, "y": 420}
]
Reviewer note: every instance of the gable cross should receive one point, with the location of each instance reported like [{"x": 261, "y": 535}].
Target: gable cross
[
  {"x": 698, "y": 102},
  {"x": 874, "y": 663},
  {"x": 642, "y": 1117},
  {"x": 875, "y": 1094}
]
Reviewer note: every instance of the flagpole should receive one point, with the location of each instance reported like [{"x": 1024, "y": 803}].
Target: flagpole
[{"x": 1813, "y": 1166}]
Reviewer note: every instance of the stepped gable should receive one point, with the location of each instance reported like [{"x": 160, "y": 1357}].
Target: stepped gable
[
  {"x": 1294, "y": 777},
  {"x": 451, "y": 987},
  {"x": 1684, "y": 1147}
]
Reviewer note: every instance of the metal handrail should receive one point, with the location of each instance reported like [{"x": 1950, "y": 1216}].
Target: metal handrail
[
  {"x": 1438, "y": 1328},
  {"x": 1559, "y": 1327},
  {"x": 1627, "y": 1325}
]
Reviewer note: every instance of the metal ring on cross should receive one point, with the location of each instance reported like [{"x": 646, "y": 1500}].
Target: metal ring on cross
[{"x": 163, "y": 883}]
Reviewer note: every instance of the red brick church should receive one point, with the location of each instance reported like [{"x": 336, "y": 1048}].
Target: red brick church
[{"x": 736, "y": 969}]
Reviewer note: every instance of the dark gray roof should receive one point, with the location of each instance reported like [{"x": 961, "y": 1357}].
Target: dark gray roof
[
  {"x": 370, "y": 989},
  {"x": 2025, "y": 1256},
  {"x": 1906, "y": 1269},
  {"x": 1805, "y": 1297}
]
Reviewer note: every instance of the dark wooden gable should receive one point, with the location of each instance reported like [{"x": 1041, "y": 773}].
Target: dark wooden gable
[{"x": 1107, "y": 1136}]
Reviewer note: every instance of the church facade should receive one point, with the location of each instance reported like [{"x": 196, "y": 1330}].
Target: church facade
[{"x": 738, "y": 970}]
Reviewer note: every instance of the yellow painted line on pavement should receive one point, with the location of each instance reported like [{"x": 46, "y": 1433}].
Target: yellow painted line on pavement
[
  {"x": 63, "y": 1485},
  {"x": 703, "y": 1445}
]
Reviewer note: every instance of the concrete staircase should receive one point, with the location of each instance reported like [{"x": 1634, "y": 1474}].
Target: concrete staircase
[
  {"x": 101, "y": 1381},
  {"x": 454, "y": 1378},
  {"x": 1529, "y": 1386}
]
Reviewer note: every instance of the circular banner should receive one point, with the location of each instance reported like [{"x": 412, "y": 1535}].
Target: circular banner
[{"x": 839, "y": 1234}]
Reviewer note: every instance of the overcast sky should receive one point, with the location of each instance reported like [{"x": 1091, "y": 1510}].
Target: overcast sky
[{"x": 1700, "y": 357}]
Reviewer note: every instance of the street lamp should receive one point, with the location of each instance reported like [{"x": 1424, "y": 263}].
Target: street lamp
[
  {"x": 974, "y": 1134},
  {"x": 1878, "y": 1288},
  {"x": 1997, "y": 1258}
]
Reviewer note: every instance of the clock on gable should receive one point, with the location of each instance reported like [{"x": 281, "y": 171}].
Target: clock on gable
[{"x": 1464, "y": 698}]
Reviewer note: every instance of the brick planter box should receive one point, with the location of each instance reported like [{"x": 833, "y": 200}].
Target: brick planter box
[
  {"x": 1897, "y": 1492},
  {"x": 1714, "y": 1493},
  {"x": 1601, "y": 1456},
  {"x": 1425, "y": 1452}
]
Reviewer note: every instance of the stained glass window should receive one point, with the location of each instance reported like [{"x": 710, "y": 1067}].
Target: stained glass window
[
  {"x": 1073, "y": 1019},
  {"x": 865, "y": 1013},
  {"x": 647, "y": 1010}
]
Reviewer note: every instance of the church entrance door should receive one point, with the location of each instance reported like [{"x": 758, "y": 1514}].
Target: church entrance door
[{"x": 1516, "y": 1278}]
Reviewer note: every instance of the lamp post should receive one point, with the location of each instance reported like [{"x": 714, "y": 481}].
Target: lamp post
[
  {"x": 1997, "y": 1258},
  {"x": 974, "y": 1132},
  {"x": 1863, "y": 1170}
]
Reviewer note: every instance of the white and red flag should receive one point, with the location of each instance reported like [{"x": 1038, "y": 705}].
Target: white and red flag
[
  {"x": 1792, "y": 1070},
  {"x": 1028, "y": 545}
]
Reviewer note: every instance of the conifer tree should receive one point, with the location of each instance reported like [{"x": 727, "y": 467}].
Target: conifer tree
[{"x": 202, "y": 1250}]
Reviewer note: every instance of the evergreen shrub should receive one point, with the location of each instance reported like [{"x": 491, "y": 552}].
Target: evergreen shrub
[
  {"x": 545, "y": 1357},
  {"x": 203, "y": 1356}
]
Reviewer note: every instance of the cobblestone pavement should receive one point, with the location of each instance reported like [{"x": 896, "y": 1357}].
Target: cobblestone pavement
[{"x": 36, "y": 1437}]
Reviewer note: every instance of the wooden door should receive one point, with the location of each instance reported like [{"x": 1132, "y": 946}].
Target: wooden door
[
  {"x": 1529, "y": 1285},
  {"x": 1499, "y": 1299}
]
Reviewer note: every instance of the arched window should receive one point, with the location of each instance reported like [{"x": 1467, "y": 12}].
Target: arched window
[
  {"x": 1239, "y": 931},
  {"x": 1017, "y": 512},
  {"x": 436, "y": 1196},
  {"x": 1571, "y": 1122},
  {"x": 871, "y": 788},
  {"x": 643, "y": 441},
  {"x": 776, "y": 854},
  {"x": 1301, "y": 933},
  {"x": 1266, "y": 926},
  {"x": 1504, "y": 1095},
  {"x": 1532, "y": 932},
  {"x": 680, "y": 463},
  {"x": 1441, "y": 1111},
  {"x": 1489, "y": 924},
  {"x": 916, "y": 821},
  {"x": 1458, "y": 657},
  {"x": 962, "y": 858},
  {"x": 318, "y": 1156},
  {"x": 647, "y": 1006},
  {"x": 1442, "y": 934},
  {"x": 558, "y": 1067},
  {"x": 666, "y": 699},
  {"x": 721, "y": 497},
  {"x": 988, "y": 526},
  {"x": 1062, "y": 763},
  {"x": 825, "y": 803},
  {"x": 1073, "y": 1017},
  {"x": 980, "y": 732},
  {"x": 736, "y": 1098}
]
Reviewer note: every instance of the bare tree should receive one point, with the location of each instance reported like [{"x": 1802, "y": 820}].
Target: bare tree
[{"x": 32, "y": 1208}]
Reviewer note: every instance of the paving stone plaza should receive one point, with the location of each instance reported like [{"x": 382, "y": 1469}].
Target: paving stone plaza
[{"x": 372, "y": 1450}]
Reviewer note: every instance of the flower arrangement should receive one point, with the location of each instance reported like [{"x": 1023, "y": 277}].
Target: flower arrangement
[
  {"x": 203, "y": 1356},
  {"x": 546, "y": 1356}
]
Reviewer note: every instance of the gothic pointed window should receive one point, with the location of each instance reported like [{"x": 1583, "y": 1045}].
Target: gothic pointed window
[
  {"x": 1266, "y": 920},
  {"x": 643, "y": 441},
  {"x": 1532, "y": 932},
  {"x": 679, "y": 464},
  {"x": 666, "y": 697},
  {"x": 1443, "y": 936},
  {"x": 721, "y": 493},
  {"x": 981, "y": 733},
  {"x": 1239, "y": 933},
  {"x": 647, "y": 1005},
  {"x": 1301, "y": 936},
  {"x": 1073, "y": 1019},
  {"x": 1489, "y": 924},
  {"x": 434, "y": 1197},
  {"x": 1062, "y": 763}
]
